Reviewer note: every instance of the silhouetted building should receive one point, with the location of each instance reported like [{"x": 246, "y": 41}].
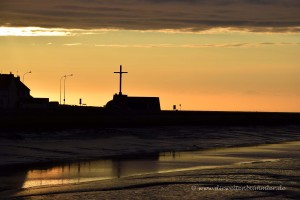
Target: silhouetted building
[
  {"x": 15, "y": 94},
  {"x": 122, "y": 102},
  {"x": 12, "y": 91},
  {"x": 126, "y": 103}
]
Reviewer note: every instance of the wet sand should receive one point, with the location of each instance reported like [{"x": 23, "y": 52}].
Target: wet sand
[
  {"x": 24, "y": 148},
  {"x": 257, "y": 172}
]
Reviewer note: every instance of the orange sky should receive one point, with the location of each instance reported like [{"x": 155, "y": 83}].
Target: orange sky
[{"x": 230, "y": 60}]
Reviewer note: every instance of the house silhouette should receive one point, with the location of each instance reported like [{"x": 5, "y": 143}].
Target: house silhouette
[{"x": 14, "y": 94}]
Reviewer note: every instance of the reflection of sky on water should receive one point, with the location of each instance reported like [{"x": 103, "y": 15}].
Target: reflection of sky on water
[
  {"x": 109, "y": 169},
  {"x": 79, "y": 172},
  {"x": 90, "y": 171},
  {"x": 70, "y": 173}
]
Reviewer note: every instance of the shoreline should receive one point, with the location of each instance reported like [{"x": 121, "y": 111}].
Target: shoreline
[
  {"x": 278, "y": 164},
  {"x": 44, "y": 148},
  {"x": 129, "y": 156}
]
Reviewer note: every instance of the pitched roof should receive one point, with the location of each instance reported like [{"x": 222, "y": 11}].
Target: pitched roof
[
  {"x": 6, "y": 80},
  {"x": 21, "y": 85}
]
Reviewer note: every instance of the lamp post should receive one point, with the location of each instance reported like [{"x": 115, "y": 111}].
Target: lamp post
[
  {"x": 60, "y": 88},
  {"x": 65, "y": 87},
  {"x": 64, "y": 76},
  {"x": 25, "y": 74}
]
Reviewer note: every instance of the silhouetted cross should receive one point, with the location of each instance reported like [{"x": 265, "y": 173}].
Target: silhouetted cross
[{"x": 120, "y": 72}]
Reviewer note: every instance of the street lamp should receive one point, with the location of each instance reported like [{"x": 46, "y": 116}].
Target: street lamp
[
  {"x": 65, "y": 77},
  {"x": 25, "y": 74},
  {"x": 60, "y": 88}
]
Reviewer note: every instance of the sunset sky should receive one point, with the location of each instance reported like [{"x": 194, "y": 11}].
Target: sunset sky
[{"x": 240, "y": 55}]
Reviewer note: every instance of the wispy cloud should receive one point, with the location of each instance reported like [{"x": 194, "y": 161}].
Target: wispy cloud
[
  {"x": 192, "y": 15},
  {"x": 136, "y": 45},
  {"x": 73, "y": 44},
  {"x": 220, "y": 45},
  {"x": 38, "y": 31},
  {"x": 33, "y": 31}
]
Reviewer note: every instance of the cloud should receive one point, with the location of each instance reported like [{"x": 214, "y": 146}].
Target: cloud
[
  {"x": 193, "y": 15},
  {"x": 73, "y": 44},
  {"x": 33, "y": 31},
  {"x": 138, "y": 45},
  {"x": 208, "y": 45}
]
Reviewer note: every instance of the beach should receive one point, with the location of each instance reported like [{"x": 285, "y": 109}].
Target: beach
[
  {"x": 177, "y": 163},
  {"x": 148, "y": 99}
]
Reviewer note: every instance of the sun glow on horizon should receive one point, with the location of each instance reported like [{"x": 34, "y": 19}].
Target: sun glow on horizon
[
  {"x": 42, "y": 31},
  {"x": 218, "y": 70},
  {"x": 32, "y": 31}
]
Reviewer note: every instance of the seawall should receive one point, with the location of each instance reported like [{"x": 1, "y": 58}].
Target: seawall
[{"x": 93, "y": 117}]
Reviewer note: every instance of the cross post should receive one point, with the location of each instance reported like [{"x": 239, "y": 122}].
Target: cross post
[{"x": 120, "y": 72}]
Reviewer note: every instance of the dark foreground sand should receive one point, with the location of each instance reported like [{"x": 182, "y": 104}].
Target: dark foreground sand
[{"x": 258, "y": 172}]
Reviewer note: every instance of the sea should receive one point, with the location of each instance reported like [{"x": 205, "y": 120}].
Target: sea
[{"x": 44, "y": 158}]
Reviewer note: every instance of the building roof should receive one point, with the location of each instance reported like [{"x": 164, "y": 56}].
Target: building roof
[
  {"x": 6, "y": 80},
  {"x": 126, "y": 103}
]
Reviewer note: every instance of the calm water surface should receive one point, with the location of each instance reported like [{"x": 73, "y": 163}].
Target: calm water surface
[{"x": 79, "y": 172}]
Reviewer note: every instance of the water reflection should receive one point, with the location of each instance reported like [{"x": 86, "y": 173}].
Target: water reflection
[
  {"x": 70, "y": 173},
  {"x": 78, "y": 172},
  {"x": 108, "y": 169},
  {"x": 90, "y": 171}
]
